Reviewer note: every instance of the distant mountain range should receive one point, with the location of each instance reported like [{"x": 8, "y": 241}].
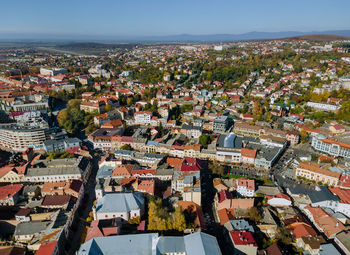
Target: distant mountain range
[{"x": 341, "y": 34}]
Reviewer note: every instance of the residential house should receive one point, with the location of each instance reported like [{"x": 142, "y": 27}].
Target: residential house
[
  {"x": 325, "y": 223},
  {"x": 9, "y": 194},
  {"x": 245, "y": 187}
]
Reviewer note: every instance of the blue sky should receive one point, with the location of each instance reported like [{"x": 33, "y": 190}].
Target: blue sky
[{"x": 165, "y": 17}]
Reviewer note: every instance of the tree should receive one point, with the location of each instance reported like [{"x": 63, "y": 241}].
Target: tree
[
  {"x": 154, "y": 107},
  {"x": 179, "y": 221},
  {"x": 204, "y": 140},
  {"x": 108, "y": 108},
  {"x": 160, "y": 219},
  {"x": 126, "y": 147},
  {"x": 156, "y": 216},
  {"x": 216, "y": 168},
  {"x": 257, "y": 110},
  {"x": 254, "y": 214},
  {"x": 284, "y": 235},
  {"x": 135, "y": 220},
  {"x": 129, "y": 100},
  {"x": 304, "y": 136}
]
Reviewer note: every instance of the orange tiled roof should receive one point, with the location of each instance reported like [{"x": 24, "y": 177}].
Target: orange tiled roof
[
  {"x": 248, "y": 153},
  {"x": 300, "y": 229},
  {"x": 314, "y": 167}
]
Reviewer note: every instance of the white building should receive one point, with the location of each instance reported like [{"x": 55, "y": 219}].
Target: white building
[
  {"x": 245, "y": 187},
  {"x": 52, "y": 71},
  {"x": 330, "y": 146},
  {"x": 143, "y": 117},
  {"x": 323, "y": 107},
  {"x": 120, "y": 206}
]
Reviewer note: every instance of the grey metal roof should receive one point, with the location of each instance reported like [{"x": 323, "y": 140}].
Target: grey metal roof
[
  {"x": 241, "y": 225},
  {"x": 32, "y": 172},
  {"x": 327, "y": 249},
  {"x": 120, "y": 202},
  {"x": 169, "y": 244},
  {"x": 151, "y": 244},
  {"x": 30, "y": 228},
  {"x": 268, "y": 190},
  {"x": 164, "y": 171},
  {"x": 200, "y": 243},
  {"x": 140, "y": 244},
  {"x": 315, "y": 196},
  {"x": 230, "y": 141}
]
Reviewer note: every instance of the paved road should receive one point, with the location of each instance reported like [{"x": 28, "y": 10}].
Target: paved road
[
  {"x": 74, "y": 239},
  {"x": 212, "y": 228}
]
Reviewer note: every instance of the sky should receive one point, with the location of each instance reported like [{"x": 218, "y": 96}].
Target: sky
[{"x": 165, "y": 17}]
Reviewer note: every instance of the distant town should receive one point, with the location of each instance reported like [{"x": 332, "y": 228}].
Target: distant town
[{"x": 189, "y": 148}]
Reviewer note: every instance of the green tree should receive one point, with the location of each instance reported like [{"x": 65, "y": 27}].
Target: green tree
[
  {"x": 204, "y": 140},
  {"x": 284, "y": 235}
]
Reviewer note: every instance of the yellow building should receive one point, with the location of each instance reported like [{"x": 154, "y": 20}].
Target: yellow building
[{"x": 313, "y": 171}]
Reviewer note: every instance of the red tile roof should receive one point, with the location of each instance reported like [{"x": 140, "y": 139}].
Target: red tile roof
[
  {"x": 343, "y": 194},
  {"x": 56, "y": 200},
  {"x": 249, "y": 184},
  {"x": 144, "y": 172},
  {"x": 223, "y": 195},
  {"x": 47, "y": 248},
  {"x": 242, "y": 238},
  {"x": 345, "y": 181},
  {"x": 9, "y": 191}
]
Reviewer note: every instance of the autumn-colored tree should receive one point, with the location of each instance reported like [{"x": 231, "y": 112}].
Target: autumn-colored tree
[
  {"x": 178, "y": 220},
  {"x": 135, "y": 220},
  {"x": 129, "y": 100},
  {"x": 257, "y": 110},
  {"x": 254, "y": 214},
  {"x": 303, "y": 136},
  {"x": 217, "y": 168},
  {"x": 160, "y": 219}
]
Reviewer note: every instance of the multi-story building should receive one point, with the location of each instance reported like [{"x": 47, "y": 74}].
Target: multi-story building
[
  {"x": 323, "y": 107},
  {"x": 103, "y": 137},
  {"x": 245, "y": 187},
  {"x": 93, "y": 106},
  {"x": 61, "y": 144},
  {"x": 9, "y": 194},
  {"x": 313, "y": 171},
  {"x": 53, "y": 170},
  {"x": 191, "y": 131},
  {"x": 52, "y": 71},
  {"x": 26, "y": 103},
  {"x": 245, "y": 129},
  {"x": 332, "y": 147},
  {"x": 229, "y": 148},
  {"x": 188, "y": 184},
  {"x": 221, "y": 124},
  {"x": 18, "y": 138},
  {"x": 143, "y": 117}
]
